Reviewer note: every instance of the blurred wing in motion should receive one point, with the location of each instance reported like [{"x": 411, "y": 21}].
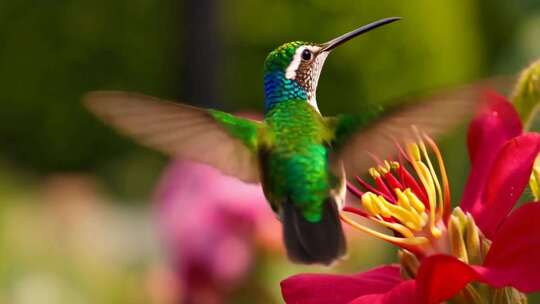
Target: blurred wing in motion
[
  {"x": 375, "y": 132},
  {"x": 216, "y": 138}
]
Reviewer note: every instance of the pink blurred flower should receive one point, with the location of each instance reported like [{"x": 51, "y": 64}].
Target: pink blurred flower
[
  {"x": 209, "y": 224},
  {"x": 502, "y": 159}
]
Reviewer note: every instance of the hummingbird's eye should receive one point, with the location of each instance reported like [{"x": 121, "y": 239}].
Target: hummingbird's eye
[{"x": 306, "y": 55}]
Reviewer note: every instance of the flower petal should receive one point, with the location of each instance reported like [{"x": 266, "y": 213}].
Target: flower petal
[
  {"x": 513, "y": 255},
  {"x": 508, "y": 178},
  {"x": 403, "y": 293},
  {"x": 496, "y": 123},
  {"x": 440, "y": 277},
  {"x": 511, "y": 261},
  {"x": 336, "y": 289}
]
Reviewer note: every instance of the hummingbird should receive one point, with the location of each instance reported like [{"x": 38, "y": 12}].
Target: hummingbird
[{"x": 300, "y": 157}]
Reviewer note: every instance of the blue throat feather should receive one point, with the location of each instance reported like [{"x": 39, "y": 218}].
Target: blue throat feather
[{"x": 277, "y": 88}]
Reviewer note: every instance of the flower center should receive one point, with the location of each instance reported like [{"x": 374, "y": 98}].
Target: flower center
[{"x": 415, "y": 207}]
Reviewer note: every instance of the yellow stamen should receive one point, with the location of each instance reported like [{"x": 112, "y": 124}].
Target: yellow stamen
[
  {"x": 534, "y": 183},
  {"x": 457, "y": 242},
  {"x": 444, "y": 176},
  {"x": 409, "y": 217},
  {"x": 435, "y": 180},
  {"x": 371, "y": 203},
  {"x": 423, "y": 172},
  {"x": 414, "y": 152},
  {"x": 426, "y": 178},
  {"x": 367, "y": 203},
  {"x": 374, "y": 173},
  {"x": 534, "y": 180},
  {"x": 406, "y": 203},
  {"x": 385, "y": 167},
  {"x": 379, "y": 206},
  {"x": 415, "y": 241},
  {"x": 414, "y": 200},
  {"x": 406, "y": 232},
  {"x": 436, "y": 232},
  {"x": 403, "y": 200}
]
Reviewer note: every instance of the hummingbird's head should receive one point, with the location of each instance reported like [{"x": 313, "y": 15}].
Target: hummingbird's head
[{"x": 291, "y": 72}]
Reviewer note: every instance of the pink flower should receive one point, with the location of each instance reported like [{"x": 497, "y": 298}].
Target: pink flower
[
  {"x": 443, "y": 252},
  {"x": 209, "y": 223}
]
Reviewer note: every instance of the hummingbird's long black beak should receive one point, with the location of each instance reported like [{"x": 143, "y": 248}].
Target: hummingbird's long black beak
[{"x": 332, "y": 44}]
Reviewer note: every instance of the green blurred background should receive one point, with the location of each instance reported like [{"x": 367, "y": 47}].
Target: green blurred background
[{"x": 208, "y": 53}]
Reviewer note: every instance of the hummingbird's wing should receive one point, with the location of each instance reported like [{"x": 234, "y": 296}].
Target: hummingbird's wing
[
  {"x": 216, "y": 138},
  {"x": 375, "y": 132}
]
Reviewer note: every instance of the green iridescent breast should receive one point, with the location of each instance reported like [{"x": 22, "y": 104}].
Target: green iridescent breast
[{"x": 296, "y": 167}]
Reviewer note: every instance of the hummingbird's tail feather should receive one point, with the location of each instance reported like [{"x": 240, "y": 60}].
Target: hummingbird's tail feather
[{"x": 321, "y": 242}]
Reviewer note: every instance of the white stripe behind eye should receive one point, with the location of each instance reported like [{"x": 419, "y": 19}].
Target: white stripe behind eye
[{"x": 290, "y": 73}]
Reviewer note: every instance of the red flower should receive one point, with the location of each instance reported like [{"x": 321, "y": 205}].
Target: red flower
[{"x": 502, "y": 159}]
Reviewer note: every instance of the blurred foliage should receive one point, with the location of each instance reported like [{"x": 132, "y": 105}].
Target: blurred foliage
[
  {"x": 422, "y": 51},
  {"x": 52, "y": 53},
  {"x": 61, "y": 242}
]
